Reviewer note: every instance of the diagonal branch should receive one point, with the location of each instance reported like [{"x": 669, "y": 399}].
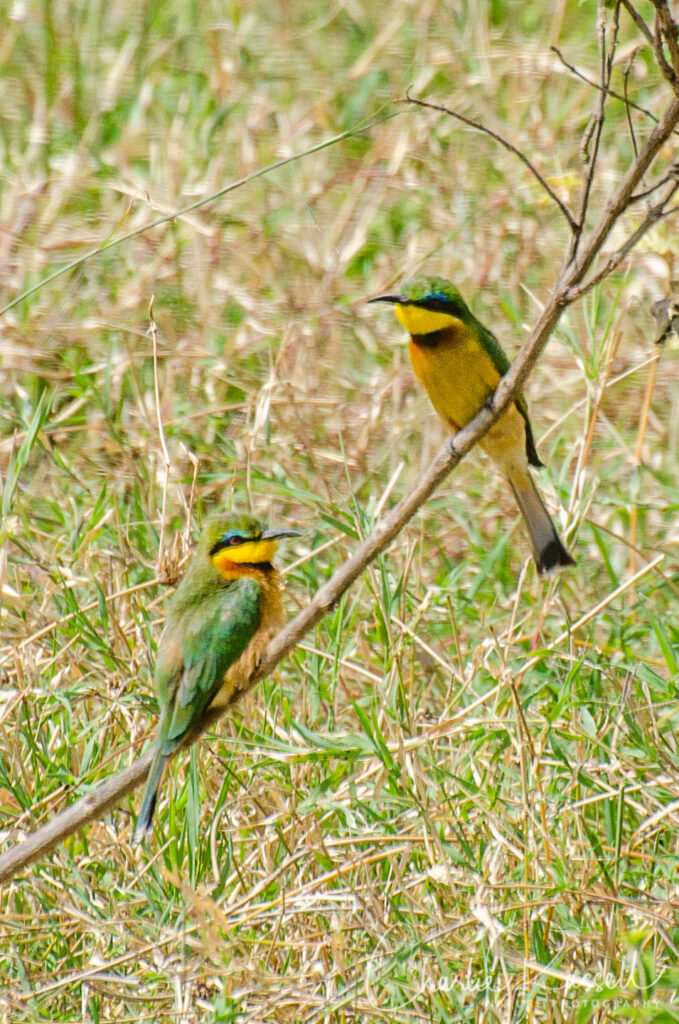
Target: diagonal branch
[
  {"x": 503, "y": 142},
  {"x": 656, "y": 213},
  {"x": 108, "y": 793},
  {"x": 104, "y": 796}
]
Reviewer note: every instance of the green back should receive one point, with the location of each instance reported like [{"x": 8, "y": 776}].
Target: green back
[
  {"x": 205, "y": 634},
  {"x": 490, "y": 343}
]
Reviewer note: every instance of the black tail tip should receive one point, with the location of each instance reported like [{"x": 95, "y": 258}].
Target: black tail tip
[
  {"x": 553, "y": 557},
  {"x": 142, "y": 829},
  {"x": 139, "y": 835}
]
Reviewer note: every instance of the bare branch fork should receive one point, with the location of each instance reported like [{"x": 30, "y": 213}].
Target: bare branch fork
[
  {"x": 596, "y": 85},
  {"x": 577, "y": 223},
  {"x": 571, "y": 285},
  {"x": 479, "y": 126}
]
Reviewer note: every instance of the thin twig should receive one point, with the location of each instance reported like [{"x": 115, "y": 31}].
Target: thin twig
[
  {"x": 106, "y": 795},
  {"x": 670, "y": 32},
  {"x": 670, "y": 176},
  {"x": 596, "y": 129},
  {"x": 595, "y": 85},
  {"x": 153, "y": 331},
  {"x": 503, "y": 142},
  {"x": 658, "y": 212},
  {"x": 638, "y": 21},
  {"x": 259, "y": 173},
  {"x": 619, "y": 201},
  {"x": 628, "y": 112},
  {"x": 666, "y": 29}
]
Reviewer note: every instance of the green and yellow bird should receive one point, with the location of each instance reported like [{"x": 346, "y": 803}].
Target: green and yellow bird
[
  {"x": 460, "y": 364},
  {"x": 218, "y": 623}
]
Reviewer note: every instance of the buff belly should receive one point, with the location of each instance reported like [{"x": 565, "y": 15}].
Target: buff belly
[{"x": 241, "y": 670}]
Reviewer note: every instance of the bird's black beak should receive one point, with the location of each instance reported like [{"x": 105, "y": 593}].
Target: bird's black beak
[
  {"x": 394, "y": 299},
  {"x": 274, "y": 534}
]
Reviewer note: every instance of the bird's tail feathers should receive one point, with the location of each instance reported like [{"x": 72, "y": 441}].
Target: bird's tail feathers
[
  {"x": 148, "y": 804},
  {"x": 548, "y": 551}
]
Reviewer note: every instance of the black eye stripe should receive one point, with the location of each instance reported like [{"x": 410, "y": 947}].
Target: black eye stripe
[
  {"x": 231, "y": 541},
  {"x": 438, "y": 306}
]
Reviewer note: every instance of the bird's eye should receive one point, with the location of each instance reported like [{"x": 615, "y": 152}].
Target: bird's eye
[{"x": 231, "y": 541}]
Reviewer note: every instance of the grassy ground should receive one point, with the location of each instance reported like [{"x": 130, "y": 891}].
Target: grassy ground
[{"x": 448, "y": 805}]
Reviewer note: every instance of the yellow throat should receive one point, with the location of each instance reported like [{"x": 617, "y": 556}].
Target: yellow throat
[
  {"x": 252, "y": 552},
  {"x": 417, "y": 320}
]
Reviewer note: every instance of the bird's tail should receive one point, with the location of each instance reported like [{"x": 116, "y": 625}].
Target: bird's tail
[
  {"x": 148, "y": 804},
  {"x": 548, "y": 551}
]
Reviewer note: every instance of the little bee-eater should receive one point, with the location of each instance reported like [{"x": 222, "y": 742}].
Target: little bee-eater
[
  {"x": 460, "y": 364},
  {"x": 219, "y": 621}
]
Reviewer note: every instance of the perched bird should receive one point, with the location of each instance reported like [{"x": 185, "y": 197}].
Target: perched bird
[
  {"x": 460, "y": 364},
  {"x": 219, "y": 621}
]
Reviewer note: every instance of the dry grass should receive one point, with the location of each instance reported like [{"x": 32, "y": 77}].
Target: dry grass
[{"x": 449, "y": 805}]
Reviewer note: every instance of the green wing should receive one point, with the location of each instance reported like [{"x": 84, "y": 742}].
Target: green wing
[
  {"x": 214, "y": 633},
  {"x": 493, "y": 347},
  {"x": 502, "y": 364}
]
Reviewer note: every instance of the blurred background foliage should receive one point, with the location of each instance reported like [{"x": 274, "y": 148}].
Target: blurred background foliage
[{"x": 447, "y": 805}]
